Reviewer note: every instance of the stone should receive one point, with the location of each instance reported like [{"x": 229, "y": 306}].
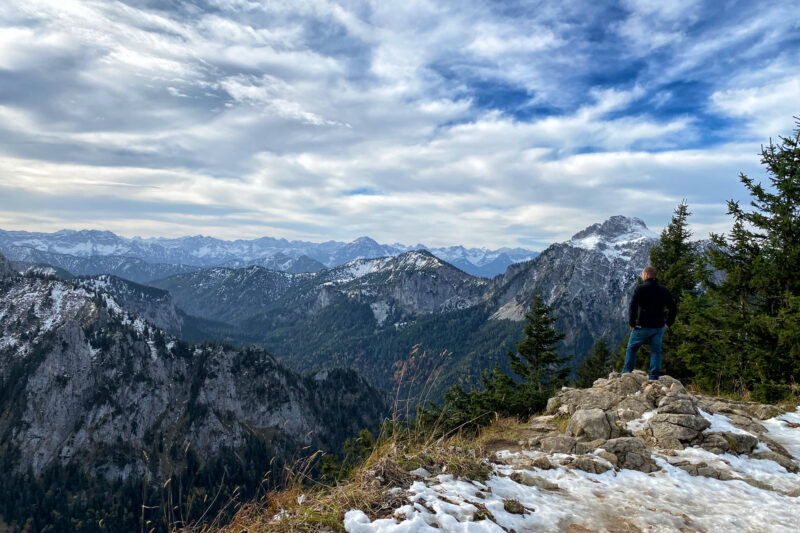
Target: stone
[
  {"x": 728, "y": 442},
  {"x": 530, "y": 480},
  {"x": 704, "y": 469},
  {"x": 679, "y": 404},
  {"x": 588, "y": 464},
  {"x": 588, "y": 425},
  {"x": 588, "y": 447},
  {"x": 785, "y": 462},
  {"x": 670, "y": 430},
  {"x": 669, "y": 381},
  {"x": 633, "y": 407},
  {"x": 610, "y": 457},
  {"x": 631, "y": 453},
  {"x": 542, "y": 463},
  {"x": 557, "y": 444}
]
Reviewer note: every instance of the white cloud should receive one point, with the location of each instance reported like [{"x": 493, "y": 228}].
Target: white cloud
[{"x": 264, "y": 118}]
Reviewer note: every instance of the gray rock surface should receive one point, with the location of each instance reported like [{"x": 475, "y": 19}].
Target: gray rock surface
[
  {"x": 589, "y": 424},
  {"x": 84, "y": 382}
]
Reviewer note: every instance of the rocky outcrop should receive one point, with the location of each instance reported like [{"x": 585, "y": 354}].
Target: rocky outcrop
[{"x": 629, "y": 422}]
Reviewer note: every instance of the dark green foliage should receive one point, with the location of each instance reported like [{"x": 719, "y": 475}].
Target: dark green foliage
[
  {"x": 539, "y": 370},
  {"x": 597, "y": 364},
  {"x": 675, "y": 257},
  {"x": 679, "y": 265},
  {"x": 354, "y": 452},
  {"x": 743, "y": 334}
]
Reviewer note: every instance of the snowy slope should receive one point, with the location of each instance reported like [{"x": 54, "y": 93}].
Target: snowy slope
[{"x": 660, "y": 476}]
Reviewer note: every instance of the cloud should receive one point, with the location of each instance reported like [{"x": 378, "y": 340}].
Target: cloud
[{"x": 483, "y": 124}]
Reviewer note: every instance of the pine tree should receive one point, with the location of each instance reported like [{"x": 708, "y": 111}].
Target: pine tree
[
  {"x": 538, "y": 364},
  {"x": 598, "y": 364},
  {"x": 541, "y": 372},
  {"x": 677, "y": 260},
  {"x": 675, "y": 256},
  {"x": 749, "y": 318}
]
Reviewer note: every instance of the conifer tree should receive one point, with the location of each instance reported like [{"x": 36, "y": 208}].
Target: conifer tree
[
  {"x": 675, "y": 256},
  {"x": 598, "y": 364},
  {"x": 677, "y": 260},
  {"x": 540, "y": 369},
  {"x": 749, "y": 318},
  {"x": 536, "y": 360}
]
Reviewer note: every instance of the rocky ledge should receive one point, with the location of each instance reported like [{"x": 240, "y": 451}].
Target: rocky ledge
[
  {"x": 627, "y": 421},
  {"x": 627, "y": 454}
]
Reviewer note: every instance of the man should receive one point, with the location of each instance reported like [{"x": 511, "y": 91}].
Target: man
[{"x": 646, "y": 317}]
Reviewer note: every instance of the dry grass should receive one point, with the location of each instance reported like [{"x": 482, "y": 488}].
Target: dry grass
[{"x": 318, "y": 507}]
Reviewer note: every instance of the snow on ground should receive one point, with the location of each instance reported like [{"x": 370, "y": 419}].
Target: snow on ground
[{"x": 668, "y": 500}]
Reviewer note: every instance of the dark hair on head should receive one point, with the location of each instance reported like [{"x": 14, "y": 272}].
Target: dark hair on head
[{"x": 650, "y": 271}]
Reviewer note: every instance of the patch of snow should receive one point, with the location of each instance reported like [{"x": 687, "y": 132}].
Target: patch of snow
[
  {"x": 667, "y": 500},
  {"x": 639, "y": 423},
  {"x": 720, "y": 423},
  {"x": 781, "y": 431}
]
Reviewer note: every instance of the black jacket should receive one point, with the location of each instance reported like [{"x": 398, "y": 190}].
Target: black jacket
[{"x": 650, "y": 300}]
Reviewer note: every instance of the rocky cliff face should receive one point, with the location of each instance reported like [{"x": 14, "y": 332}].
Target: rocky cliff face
[
  {"x": 588, "y": 280},
  {"x": 85, "y": 383}
]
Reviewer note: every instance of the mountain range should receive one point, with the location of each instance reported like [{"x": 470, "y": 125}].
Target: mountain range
[
  {"x": 88, "y": 252},
  {"x": 380, "y": 315},
  {"x": 216, "y": 373}
]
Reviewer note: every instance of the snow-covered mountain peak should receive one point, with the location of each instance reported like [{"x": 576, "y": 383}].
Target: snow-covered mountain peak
[{"x": 614, "y": 237}]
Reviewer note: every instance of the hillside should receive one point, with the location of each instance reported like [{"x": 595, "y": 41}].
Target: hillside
[
  {"x": 96, "y": 401},
  {"x": 624, "y": 455}
]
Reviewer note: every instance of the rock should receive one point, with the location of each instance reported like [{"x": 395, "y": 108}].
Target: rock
[
  {"x": 669, "y": 381},
  {"x": 530, "y": 480},
  {"x": 542, "y": 423},
  {"x": 557, "y": 444},
  {"x": 610, "y": 457},
  {"x": 542, "y": 463},
  {"x": 704, "y": 469},
  {"x": 728, "y": 442},
  {"x": 670, "y": 430},
  {"x": 622, "y": 387},
  {"x": 588, "y": 464},
  {"x": 633, "y": 407},
  {"x": 785, "y": 462},
  {"x": 679, "y": 404},
  {"x": 588, "y": 425},
  {"x": 631, "y": 453},
  {"x": 588, "y": 447}
]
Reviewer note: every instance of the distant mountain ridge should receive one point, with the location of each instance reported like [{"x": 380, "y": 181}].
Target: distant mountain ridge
[
  {"x": 370, "y": 313},
  {"x": 202, "y": 252}
]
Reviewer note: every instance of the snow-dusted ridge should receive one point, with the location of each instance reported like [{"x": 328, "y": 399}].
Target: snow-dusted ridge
[{"x": 615, "y": 237}]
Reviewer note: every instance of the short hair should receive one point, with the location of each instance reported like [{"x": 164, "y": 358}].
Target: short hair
[{"x": 650, "y": 271}]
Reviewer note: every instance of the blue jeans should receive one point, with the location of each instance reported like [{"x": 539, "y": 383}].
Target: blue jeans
[{"x": 640, "y": 336}]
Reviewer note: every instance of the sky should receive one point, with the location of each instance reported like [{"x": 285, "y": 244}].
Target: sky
[{"x": 476, "y": 123}]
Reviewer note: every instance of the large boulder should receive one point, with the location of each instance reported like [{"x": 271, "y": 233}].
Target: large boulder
[
  {"x": 729, "y": 442},
  {"x": 589, "y": 424},
  {"x": 672, "y": 431},
  {"x": 631, "y": 453}
]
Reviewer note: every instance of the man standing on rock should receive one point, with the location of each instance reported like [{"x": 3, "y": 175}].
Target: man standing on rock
[{"x": 651, "y": 312}]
